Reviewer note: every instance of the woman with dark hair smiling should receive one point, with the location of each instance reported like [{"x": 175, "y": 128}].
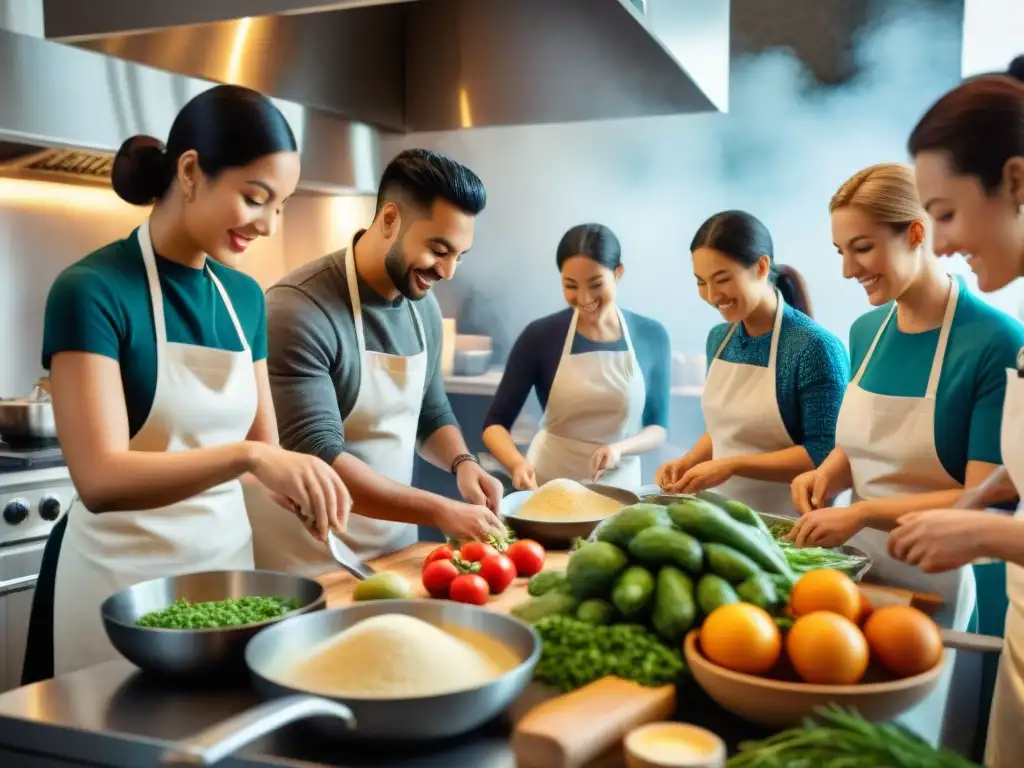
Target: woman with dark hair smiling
[
  {"x": 156, "y": 350},
  {"x": 968, "y": 154},
  {"x": 600, "y": 373},
  {"x": 775, "y": 378}
]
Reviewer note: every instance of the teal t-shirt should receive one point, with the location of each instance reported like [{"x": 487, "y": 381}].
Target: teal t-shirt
[
  {"x": 101, "y": 304},
  {"x": 983, "y": 343}
]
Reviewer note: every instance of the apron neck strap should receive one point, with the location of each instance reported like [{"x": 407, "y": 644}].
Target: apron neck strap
[{"x": 940, "y": 347}]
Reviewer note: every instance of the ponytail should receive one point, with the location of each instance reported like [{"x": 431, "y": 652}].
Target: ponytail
[{"x": 793, "y": 287}]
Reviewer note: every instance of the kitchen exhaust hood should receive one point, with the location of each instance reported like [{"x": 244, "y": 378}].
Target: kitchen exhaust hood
[
  {"x": 64, "y": 112},
  {"x": 420, "y": 65}
]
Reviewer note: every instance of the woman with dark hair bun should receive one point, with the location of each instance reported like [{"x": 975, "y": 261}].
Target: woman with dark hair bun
[
  {"x": 600, "y": 373},
  {"x": 968, "y": 154},
  {"x": 775, "y": 377},
  {"x": 157, "y": 349}
]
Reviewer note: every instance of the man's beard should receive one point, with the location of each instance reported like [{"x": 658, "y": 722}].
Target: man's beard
[{"x": 400, "y": 274}]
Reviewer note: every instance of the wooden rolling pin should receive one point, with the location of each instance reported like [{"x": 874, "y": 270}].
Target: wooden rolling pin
[{"x": 570, "y": 731}]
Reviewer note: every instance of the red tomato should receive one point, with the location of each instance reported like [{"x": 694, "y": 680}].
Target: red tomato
[
  {"x": 527, "y": 556},
  {"x": 475, "y": 551},
  {"x": 444, "y": 552},
  {"x": 498, "y": 571},
  {"x": 438, "y": 577},
  {"x": 469, "y": 588}
]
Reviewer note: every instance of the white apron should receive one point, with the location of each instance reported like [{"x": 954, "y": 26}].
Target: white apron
[
  {"x": 596, "y": 398},
  {"x": 741, "y": 413},
  {"x": 204, "y": 397},
  {"x": 1005, "y": 747},
  {"x": 380, "y": 431},
  {"x": 890, "y": 442}
]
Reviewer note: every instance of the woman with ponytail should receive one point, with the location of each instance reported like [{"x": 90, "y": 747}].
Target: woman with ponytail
[
  {"x": 157, "y": 349},
  {"x": 968, "y": 154},
  {"x": 776, "y": 377}
]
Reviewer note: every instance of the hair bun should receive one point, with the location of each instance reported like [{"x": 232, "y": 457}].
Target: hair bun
[
  {"x": 140, "y": 175},
  {"x": 1016, "y": 68}
]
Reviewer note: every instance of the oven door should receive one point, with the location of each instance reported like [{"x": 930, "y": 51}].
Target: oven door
[{"x": 19, "y": 569}]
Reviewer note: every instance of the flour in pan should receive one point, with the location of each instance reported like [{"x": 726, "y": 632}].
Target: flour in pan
[
  {"x": 565, "y": 501},
  {"x": 394, "y": 656}
]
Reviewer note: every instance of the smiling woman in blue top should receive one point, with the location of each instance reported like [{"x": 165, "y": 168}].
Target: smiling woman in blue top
[
  {"x": 921, "y": 417},
  {"x": 775, "y": 379},
  {"x": 600, "y": 373}
]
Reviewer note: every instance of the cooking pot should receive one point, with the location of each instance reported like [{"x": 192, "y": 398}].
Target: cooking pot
[{"x": 28, "y": 417}]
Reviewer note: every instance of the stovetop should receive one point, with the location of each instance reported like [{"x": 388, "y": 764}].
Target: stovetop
[{"x": 28, "y": 453}]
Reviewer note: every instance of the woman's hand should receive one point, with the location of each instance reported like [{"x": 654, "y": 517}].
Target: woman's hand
[
  {"x": 671, "y": 472},
  {"x": 305, "y": 485},
  {"x": 468, "y": 522},
  {"x": 605, "y": 458},
  {"x": 828, "y": 527},
  {"x": 939, "y": 540},
  {"x": 810, "y": 490},
  {"x": 707, "y": 474},
  {"x": 477, "y": 486},
  {"x": 524, "y": 478}
]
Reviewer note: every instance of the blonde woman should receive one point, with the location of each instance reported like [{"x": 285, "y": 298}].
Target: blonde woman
[{"x": 921, "y": 417}]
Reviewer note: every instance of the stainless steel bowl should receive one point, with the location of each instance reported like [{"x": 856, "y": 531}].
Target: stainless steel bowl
[
  {"x": 549, "y": 532},
  {"x": 420, "y": 718},
  {"x": 197, "y": 653}
]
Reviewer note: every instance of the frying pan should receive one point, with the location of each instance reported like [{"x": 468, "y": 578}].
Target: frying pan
[{"x": 421, "y": 718}]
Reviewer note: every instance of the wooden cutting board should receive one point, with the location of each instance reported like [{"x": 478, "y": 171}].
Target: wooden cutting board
[{"x": 408, "y": 563}]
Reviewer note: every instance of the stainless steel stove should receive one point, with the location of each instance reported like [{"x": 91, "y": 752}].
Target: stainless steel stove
[{"x": 35, "y": 490}]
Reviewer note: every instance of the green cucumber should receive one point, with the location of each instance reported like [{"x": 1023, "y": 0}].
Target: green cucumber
[
  {"x": 731, "y": 565},
  {"x": 553, "y": 603},
  {"x": 633, "y": 592},
  {"x": 714, "y": 592},
  {"x": 711, "y": 524},
  {"x": 545, "y": 581},
  {"x": 593, "y": 569},
  {"x": 760, "y": 590},
  {"x": 620, "y": 528},
  {"x": 655, "y": 547},
  {"x": 595, "y": 611},
  {"x": 675, "y": 609}
]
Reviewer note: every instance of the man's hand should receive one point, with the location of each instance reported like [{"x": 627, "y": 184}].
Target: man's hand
[
  {"x": 468, "y": 522},
  {"x": 524, "y": 478},
  {"x": 478, "y": 487}
]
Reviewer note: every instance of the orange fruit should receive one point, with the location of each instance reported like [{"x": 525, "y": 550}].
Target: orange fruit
[
  {"x": 865, "y": 608},
  {"x": 827, "y": 649},
  {"x": 826, "y": 590},
  {"x": 903, "y": 639},
  {"x": 741, "y": 637}
]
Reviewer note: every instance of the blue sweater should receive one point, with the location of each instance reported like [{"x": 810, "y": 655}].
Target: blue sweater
[
  {"x": 534, "y": 358},
  {"x": 812, "y": 370}
]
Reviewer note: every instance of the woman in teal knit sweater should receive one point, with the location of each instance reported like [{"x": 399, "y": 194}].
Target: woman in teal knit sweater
[{"x": 775, "y": 377}]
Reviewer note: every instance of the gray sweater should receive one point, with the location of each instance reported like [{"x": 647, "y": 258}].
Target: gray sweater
[{"x": 313, "y": 354}]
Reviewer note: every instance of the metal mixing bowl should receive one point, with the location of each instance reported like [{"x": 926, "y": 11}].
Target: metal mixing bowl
[
  {"x": 198, "y": 653},
  {"x": 413, "y": 719},
  {"x": 553, "y": 532}
]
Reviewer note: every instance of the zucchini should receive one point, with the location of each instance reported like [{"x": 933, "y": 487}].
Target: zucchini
[
  {"x": 760, "y": 590},
  {"x": 620, "y": 528},
  {"x": 714, "y": 592},
  {"x": 553, "y": 603},
  {"x": 675, "y": 609},
  {"x": 633, "y": 592},
  {"x": 655, "y": 547},
  {"x": 593, "y": 569},
  {"x": 711, "y": 524},
  {"x": 731, "y": 565}
]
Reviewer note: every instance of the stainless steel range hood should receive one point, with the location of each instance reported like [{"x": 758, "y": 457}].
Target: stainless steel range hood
[
  {"x": 415, "y": 65},
  {"x": 64, "y": 112}
]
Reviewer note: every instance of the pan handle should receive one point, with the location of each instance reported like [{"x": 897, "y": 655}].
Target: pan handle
[{"x": 219, "y": 741}]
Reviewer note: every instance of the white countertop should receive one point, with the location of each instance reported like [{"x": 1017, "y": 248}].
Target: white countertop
[{"x": 487, "y": 384}]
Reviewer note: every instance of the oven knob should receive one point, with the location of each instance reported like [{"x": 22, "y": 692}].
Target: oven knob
[
  {"x": 16, "y": 511},
  {"x": 49, "y": 508}
]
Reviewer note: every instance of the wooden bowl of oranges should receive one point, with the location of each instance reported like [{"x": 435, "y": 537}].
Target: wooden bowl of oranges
[{"x": 837, "y": 651}]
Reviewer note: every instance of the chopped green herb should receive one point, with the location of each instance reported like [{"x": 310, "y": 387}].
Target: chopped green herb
[{"x": 233, "y": 612}]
